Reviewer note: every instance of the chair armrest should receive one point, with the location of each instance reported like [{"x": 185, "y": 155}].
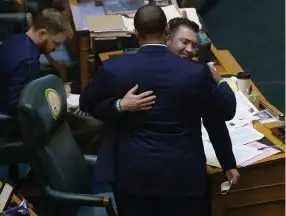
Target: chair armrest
[
  {"x": 91, "y": 159},
  {"x": 6, "y": 119},
  {"x": 77, "y": 199},
  {"x": 13, "y": 17}
]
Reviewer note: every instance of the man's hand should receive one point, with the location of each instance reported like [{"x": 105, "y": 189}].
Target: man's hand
[
  {"x": 68, "y": 89},
  {"x": 215, "y": 74},
  {"x": 132, "y": 102},
  {"x": 232, "y": 175}
]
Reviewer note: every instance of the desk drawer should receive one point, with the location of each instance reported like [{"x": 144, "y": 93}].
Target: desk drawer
[
  {"x": 261, "y": 191},
  {"x": 263, "y": 174}
]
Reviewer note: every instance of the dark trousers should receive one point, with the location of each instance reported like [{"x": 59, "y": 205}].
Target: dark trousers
[
  {"x": 135, "y": 205},
  {"x": 86, "y": 130}
]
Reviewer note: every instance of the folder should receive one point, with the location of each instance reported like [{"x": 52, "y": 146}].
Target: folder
[{"x": 105, "y": 23}]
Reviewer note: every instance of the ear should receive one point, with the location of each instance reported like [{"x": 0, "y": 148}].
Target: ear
[
  {"x": 42, "y": 33},
  {"x": 136, "y": 34},
  {"x": 168, "y": 42}
]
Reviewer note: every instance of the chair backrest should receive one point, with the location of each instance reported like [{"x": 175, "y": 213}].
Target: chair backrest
[
  {"x": 11, "y": 23},
  {"x": 56, "y": 157}
]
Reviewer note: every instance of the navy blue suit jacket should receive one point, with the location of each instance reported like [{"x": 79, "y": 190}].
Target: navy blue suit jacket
[
  {"x": 159, "y": 151},
  {"x": 19, "y": 64}
]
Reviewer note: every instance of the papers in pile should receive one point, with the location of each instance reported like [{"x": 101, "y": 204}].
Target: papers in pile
[
  {"x": 242, "y": 134},
  {"x": 171, "y": 12}
]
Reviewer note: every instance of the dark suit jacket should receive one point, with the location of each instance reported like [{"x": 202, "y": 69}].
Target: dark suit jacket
[
  {"x": 160, "y": 151},
  {"x": 225, "y": 101},
  {"x": 19, "y": 63}
]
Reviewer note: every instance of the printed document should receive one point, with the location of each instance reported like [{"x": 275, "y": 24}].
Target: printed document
[{"x": 242, "y": 153}]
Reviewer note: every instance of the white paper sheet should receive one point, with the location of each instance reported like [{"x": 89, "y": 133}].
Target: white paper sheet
[
  {"x": 239, "y": 136},
  {"x": 267, "y": 152},
  {"x": 242, "y": 153},
  {"x": 73, "y": 100},
  {"x": 128, "y": 23},
  {"x": 192, "y": 15},
  {"x": 244, "y": 108},
  {"x": 171, "y": 12},
  {"x": 237, "y": 123}
]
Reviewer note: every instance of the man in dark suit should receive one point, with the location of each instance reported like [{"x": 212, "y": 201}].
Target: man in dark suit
[
  {"x": 160, "y": 162},
  {"x": 20, "y": 64},
  {"x": 183, "y": 41}
]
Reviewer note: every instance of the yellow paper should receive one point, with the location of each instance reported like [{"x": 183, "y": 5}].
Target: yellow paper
[{"x": 233, "y": 86}]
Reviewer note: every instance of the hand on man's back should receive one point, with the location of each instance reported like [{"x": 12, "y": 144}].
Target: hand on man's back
[{"x": 133, "y": 102}]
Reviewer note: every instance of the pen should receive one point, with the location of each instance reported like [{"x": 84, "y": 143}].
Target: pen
[{"x": 275, "y": 147}]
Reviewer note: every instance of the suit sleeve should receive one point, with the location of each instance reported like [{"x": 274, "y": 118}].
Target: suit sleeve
[
  {"x": 226, "y": 101},
  {"x": 95, "y": 92},
  {"x": 96, "y": 98},
  {"x": 24, "y": 73},
  {"x": 215, "y": 123},
  {"x": 106, "y": 110}
]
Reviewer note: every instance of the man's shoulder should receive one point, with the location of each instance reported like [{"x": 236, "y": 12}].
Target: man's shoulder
[
  {"x": 15, "y": 50},
  {"x": 13, "y": 39},
  {"x": 122, "y": 62},
  {"x": 120, "y": 59},
  {"x": 139, "y": 57},
  {"x": 197, "y": 65}
]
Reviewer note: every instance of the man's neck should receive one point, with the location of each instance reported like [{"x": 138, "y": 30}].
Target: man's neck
[
  {"x": 31, "y": 35},
  {"x": 146, "y": 42}
]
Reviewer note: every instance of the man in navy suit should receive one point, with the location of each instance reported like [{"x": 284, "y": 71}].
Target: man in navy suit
[
  {"x": 183, "y": 41},
  {"x": 160, "y": 162}
]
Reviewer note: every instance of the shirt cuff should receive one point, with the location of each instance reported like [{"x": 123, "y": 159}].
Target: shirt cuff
[{"x": 117, "y": 105}]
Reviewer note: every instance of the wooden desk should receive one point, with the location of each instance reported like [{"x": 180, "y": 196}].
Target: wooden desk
[
  {"x": 261, "y": 190},
  {"x": 262, "y": 185},
  {"x": 81, "y": 40},
  {"x": 18, "y": 201}
]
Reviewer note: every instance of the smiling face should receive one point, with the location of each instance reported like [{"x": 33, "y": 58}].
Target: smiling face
[{"x": 184, "y": 42}]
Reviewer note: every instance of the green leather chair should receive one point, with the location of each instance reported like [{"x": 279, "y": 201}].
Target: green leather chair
[{"x": 61, "y": 170}]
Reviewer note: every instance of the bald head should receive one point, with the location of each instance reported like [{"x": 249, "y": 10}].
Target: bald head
[{"x": 150, "y": 21}]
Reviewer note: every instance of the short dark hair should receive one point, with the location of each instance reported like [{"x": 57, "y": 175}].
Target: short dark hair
[
  {"x": 53, "y": 21},
  {"x": 150, "y": 20},
  {"x": 175, "y": 23}
]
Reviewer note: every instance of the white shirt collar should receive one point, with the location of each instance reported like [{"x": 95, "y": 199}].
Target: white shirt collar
[{"x": 163, "y": 45}]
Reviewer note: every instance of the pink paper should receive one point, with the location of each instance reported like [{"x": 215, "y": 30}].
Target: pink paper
[{"x": 266, "y": 153}]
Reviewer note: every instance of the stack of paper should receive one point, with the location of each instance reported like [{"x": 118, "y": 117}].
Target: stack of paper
[
  {"x": 242, "y": 153},
  {"x": 106, "y": 26},
  {"x": 171, "y": 12},
  {"x": 267, "y": 151},
  {"x": 242, "y": 134}
]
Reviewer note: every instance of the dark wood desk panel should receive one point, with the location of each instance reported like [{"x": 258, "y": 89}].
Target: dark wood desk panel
[{"x": 82, "y": 38}]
